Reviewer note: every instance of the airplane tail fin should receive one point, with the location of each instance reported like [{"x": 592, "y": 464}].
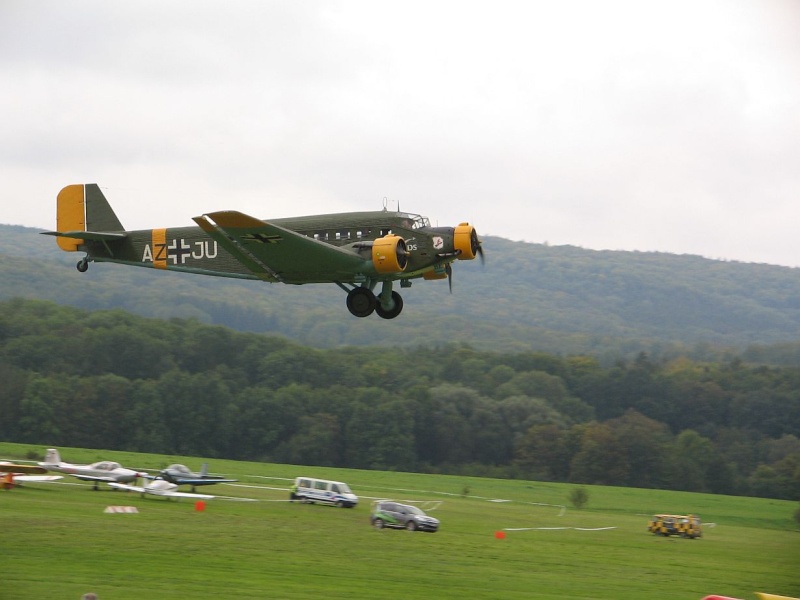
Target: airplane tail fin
[
  {"x": 204, "y": 470},
  {"x": 84, "y": 208},
  {"x": 52, "y": 457}
]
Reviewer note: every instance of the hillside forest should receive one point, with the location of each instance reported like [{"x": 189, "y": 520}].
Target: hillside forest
[
  {"x": 110, "y": 379},
  {"x": 556, "y": 299}
]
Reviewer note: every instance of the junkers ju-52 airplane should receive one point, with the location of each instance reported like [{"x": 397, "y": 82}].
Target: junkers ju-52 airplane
[{"x": 356, "y": 251}]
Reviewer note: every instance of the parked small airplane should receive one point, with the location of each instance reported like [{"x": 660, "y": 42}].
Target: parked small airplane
[
  {"x": 14, "y": 474},
  {"x": 356, "y": 251},
  {"x": 159, "y": 487},
  {"x": 181, "y": 475},
  {"x": 103, "y": 471}
]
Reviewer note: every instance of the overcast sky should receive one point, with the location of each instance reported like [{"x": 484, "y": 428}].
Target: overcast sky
[{"x": 626, "y": 125}]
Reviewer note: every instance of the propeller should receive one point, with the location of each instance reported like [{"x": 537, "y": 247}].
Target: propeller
[{"x": 477, "y": 246}]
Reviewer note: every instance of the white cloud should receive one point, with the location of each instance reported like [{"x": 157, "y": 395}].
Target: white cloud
[{"x": 627, "y": 125}]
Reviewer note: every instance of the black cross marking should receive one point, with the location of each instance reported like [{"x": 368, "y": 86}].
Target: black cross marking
[
  {"x": 262, "y": 238},
  {"x": 178, "y": 251}
]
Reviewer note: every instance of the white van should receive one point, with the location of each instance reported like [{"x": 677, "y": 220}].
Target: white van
[{"x": 308, "y": 489}]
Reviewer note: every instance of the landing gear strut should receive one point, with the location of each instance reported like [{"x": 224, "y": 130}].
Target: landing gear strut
[{"x": 390, "y": 304}]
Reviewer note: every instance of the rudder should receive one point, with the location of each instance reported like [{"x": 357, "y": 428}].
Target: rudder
[
  {"x": 83, "y": 207},
  {"x": 70, "y": 216},
  {"x": 53, "y": 457}
]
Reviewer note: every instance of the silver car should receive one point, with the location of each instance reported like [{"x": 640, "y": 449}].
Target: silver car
[{"x": 402, "y": 516}]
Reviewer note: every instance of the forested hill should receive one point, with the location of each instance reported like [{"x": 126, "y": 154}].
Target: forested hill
[
  {"x": 558, "y": 299},
  {"x": 109, "y": 379}
]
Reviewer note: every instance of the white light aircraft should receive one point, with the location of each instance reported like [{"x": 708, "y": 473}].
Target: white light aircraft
[
  {"x": 160, "y": 487},
  {"x": 104, "y": 471},
  {"x": 14, "y": 475}
]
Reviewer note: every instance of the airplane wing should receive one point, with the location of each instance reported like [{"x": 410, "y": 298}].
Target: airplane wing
[
  {"x": 273, "y": 253},
  {"x": 37, "y": 478},
  {"x": 93, "y": 478},
  {"x": 201, "y": 481},
  {"x": 129, "y": 488},
  {"x": 152, "y": 492},
  {"x": 180, "y": 495},
  {"x": 26, "y": 469}
]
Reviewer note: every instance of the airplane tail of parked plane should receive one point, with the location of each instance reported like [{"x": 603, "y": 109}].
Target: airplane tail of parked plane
[
  {"x": 53, "y": 457},
  {"x": 204, "y": 470},
  {"x": 83, "y": 213}
]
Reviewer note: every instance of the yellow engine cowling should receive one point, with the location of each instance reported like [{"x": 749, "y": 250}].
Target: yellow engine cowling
[
  {"x": 465, "y": 239},
  {"x": 389, "y": 254}
]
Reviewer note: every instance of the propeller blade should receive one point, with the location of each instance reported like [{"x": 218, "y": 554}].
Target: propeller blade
[{"x": 449, "y": 270}]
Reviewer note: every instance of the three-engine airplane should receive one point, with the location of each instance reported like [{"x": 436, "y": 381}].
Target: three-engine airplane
[
  {"x": 14, "y": 474},
  {"x": 181, "y": 475},
  {"x": 160, "y": 487},
  {"x": 104, "y": 471},
  {"x": 356, "y": 251}
]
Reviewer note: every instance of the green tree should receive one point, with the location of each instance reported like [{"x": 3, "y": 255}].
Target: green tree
[
  {"x": 579, "y": 497},
  {"x": 318, "y": 441},
  {"x": 694, "y": 457},
  {"x": 601, "y": 459}
]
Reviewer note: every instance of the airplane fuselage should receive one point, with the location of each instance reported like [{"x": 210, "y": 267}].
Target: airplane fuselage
[{"x": 191, "y": 250}]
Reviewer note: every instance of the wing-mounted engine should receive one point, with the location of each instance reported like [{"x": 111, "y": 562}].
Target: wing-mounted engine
[
  {"x": 465, "y": 240},
  {"x": 389, "y": 254}
]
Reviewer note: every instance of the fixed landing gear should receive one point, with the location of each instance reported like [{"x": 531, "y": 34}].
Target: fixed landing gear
[
  {"x": 83, "y": 264},
  {"x": 361, "y": 302},
  {"x": 397, "y": 307}
]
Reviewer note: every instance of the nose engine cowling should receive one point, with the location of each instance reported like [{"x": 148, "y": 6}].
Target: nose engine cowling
[{"x": 466, "y": 242}]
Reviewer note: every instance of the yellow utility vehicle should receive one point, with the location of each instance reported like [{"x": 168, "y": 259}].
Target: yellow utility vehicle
[{"x": 688, "y": 526}]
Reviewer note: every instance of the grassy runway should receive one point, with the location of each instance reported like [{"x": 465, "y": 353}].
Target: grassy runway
[{"x": 59, "y": 543}]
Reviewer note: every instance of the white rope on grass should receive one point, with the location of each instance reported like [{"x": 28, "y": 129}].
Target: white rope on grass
[{"x": 557, "y": 528}]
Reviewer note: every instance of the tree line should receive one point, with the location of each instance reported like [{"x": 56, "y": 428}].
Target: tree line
[
  {"x": 109, "y": 379},
  {"x": 558, "y": 299}
]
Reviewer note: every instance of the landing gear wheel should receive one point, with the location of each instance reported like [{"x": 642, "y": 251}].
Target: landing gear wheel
[
  {"x": 361, "y": 302},
  {"x": 83, "y": 265},
  {"x": 394, "y": 311}
]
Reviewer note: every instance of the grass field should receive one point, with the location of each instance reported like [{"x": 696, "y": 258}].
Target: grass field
[{"x": 57, "y": 541}]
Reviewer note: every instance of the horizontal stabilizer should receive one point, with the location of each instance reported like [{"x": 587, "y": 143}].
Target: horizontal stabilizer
[{"x": 94, "y": 236}]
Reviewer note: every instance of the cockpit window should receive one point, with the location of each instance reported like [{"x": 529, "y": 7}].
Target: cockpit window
[
  {"x": 415, "y": 221},
  {"x": 179, "y": 468}
]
